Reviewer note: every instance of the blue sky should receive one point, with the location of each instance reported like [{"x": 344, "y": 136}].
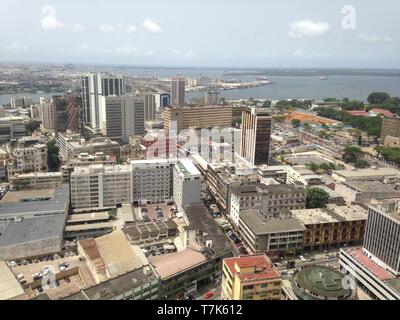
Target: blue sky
[{"x": 252, "y": 33}]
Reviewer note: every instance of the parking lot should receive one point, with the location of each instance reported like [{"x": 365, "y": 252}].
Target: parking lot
[
  {"x": 157, "y": 212},
  {"x": 25, "y": 269}
]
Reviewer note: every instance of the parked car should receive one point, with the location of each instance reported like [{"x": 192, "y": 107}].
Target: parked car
[{"x": 208, "y": 295}]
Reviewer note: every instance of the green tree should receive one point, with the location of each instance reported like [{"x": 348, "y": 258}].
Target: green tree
[
  {"x": 361, "y": 164},
  {"x": 316, "y": 198},
  {"x": 32, "y": 125},
  {"x": 296, "y": 123},
  {"x": 236, "y": 121},
  {"x": 351, "y": 154},
  {"x": 378, "y": 97},
  {"x": 306, "y": 126},
  {"x": 53, "y": 160},
  {"x": 279, "y": 119},
  {"x": 267, "y": 103}
]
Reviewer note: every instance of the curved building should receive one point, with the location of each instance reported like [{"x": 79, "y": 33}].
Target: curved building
[{"x": 320, "y": 283}]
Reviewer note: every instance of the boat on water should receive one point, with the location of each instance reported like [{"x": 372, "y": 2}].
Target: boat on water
[{"x": 323, "y": 78}]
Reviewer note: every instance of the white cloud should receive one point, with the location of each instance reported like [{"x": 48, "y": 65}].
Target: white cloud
[
  {"x": 107, "y": 28},
  {"x": 301, "y": 53},
  {"x": 308, "y": 29},
  {"x": 374, "y": 38},
  {"x": 16, "y": 46},
  {"x": 49, "y": 20},
  {"x": 130, "y": 29},
  {"x": 181, "y": 54},
  {"x": 151, "y": 26},
  {"x": 127, "y": 50},
  {"x": 74, "y": 27}
]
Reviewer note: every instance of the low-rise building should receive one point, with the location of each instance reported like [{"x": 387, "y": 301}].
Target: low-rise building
[
  {"x": 366, "y": 191},
  {"x": 252, "y": 277},
  {"x": 272, "y": 199},
  {"x": 302, "y": 175},
  {"x": 385, "y": 175},
  {"x": 273, "y": 235},
  {"x": 12, "y": 128},
  {"x": 36, "y": 180}
]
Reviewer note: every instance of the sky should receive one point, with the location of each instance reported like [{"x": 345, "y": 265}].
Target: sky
[{"x": 203, "y": 33}]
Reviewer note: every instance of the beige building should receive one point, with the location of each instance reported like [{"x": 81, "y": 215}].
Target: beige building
[
  {"x": 36, "y": 180},
  {"x": 27, "y": 156},
  {"x": 390, "y": 127},
  {"x": 251, "y": 277},
  {"x": 99, "y": 186},
  {"x": 391, "y": 142},
  {"x": 197, "y": 117}
]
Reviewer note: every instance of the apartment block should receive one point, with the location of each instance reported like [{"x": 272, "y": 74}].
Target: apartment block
[
  {"x": 100, "y": 186},
  {"x": 196, "y": 116},
  {"x": 151, "y": 181},
  {"x": 251, "y": 277},
  {"x": 186, "y": 183}
]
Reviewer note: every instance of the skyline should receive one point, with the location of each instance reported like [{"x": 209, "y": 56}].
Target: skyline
[{"x": 304, "y": 34}]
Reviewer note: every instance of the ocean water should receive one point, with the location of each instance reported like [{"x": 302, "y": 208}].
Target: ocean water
[{"x": 286, "y": 84}]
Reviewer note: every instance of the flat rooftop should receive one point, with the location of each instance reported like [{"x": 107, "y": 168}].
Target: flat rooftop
[
  {"x": 187, "y": 168},
  {"x": 264, "y": 266},
  {"x": 117, "y": 286},
  {"x": 31, "y": 230},
  {"x": 87, "y": 217},
  {"x": 21, "y": 196},
  {"x": 9, "y": 285},
  {"x": 313, "y": 216},
  {"x": 348, "y": 212},
  {"x": 260, "y": 225},
  {"x": 173, "y": 263},
  {"x": 58, "y": 203},
  {"x": 371, "y": 186},
  {"x": 361, "y": 173},
  {"x": 88, "y": 226},
  {"x": 358, "y": 254}
]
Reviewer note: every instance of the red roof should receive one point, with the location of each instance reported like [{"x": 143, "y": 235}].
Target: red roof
[
  {"x": 358, "y": 254},
  {"x": 383, "y": 111},
  {"x": 260, "y": 261},
  {"x": 358, "y": 113}
]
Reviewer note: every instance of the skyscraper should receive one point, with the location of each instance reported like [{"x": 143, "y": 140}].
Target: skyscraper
[
  {"x": 178, "y": 91},
  {"x": 149, "y": 107},
  {"x": 74, "y": 109},
  {"x": 162, "y": 100},
  {"x": 94, "y": 86},
  {"x": 123, "y": 117},
  {"x": 256, "y": 135}
]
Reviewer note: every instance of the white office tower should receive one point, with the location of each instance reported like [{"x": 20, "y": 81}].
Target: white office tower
[
  {"x": 100, "y": 186},
  {"x": 151, "y": 181},
  {"x": 122, "y": 117},
  {"x": 186, "y": 183},
  {"x": 162, "y": 100},
  {"x": 149, "y": 107},
  {"x": 178, "y": 91},
  {"x": 94, "y": 86}
]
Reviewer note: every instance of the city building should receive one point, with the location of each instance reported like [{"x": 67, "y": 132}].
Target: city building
[
  {"x": 391, "y": 142},
  {"x": 208, "y": 116},
  {"x": 302, "y": 175},
  {"x": 35, "y": 180},
  {"x": 47, "y": 114},
  {"x": 74, "y": 111},
  {"x": 212, "y": 97},
  {"x": 333, "y": 226},
  {"x": 32, "y": 222},
  {"x": 94, "y": 87},
  {"x": 385, "y": 175},
  {"x": 252, "y": 277},
  {"x": 178, "y": 91},
  {"x": 122, "y": 118},
  {"x": 151, "y": 181},
  {"x": 149, "y": 106},
  {"x": 198, "y": 262},
  {"x": 186, "y": 183},
  {"x": 20, "y": 102},
  {"x": 366, "y": 191},
  {"x": 151, "y": 233},
  {"x": 320, "y": 283},
  {"x": 60, "y": 113},
  {"x": 97, "y": 187},
  {"x": 28, "y": 155},
  {"x": 278, "y": 173},
  {"x": 162, "y": 100},
  {"x": 390, "y": 127},
  {"x": 272, "y": 199},
  {"x": 72, "y": 145},
  {"x": 276, "y": 236},
  {"x": 134, "y": 150},
  {"x": 256, "y": 135},
  {"x": 110, "y": 256},
  {"x": 12, "y": 128}
]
